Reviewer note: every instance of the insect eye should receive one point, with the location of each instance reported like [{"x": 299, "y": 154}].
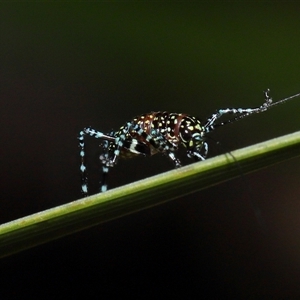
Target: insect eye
[{"x": 185, "y": 135}]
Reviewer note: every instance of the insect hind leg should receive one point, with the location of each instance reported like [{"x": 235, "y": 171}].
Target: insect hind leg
[
  {"x": 106, "y": 164},
  {"x": 103, "y": 184},
  {"x": 96, "y": 134}
]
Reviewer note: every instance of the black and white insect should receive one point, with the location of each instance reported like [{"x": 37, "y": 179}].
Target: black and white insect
[{"x": 161, "y": 132}]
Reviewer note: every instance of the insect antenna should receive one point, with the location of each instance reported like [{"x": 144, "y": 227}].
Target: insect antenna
[{"x": 242, "y": 113}]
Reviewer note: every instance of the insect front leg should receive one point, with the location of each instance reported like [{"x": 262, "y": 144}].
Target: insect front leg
[{"x": 196, "y": 153}]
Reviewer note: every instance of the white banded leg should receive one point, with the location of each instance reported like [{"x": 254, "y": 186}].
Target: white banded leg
[{"x": 93, "y": 133}]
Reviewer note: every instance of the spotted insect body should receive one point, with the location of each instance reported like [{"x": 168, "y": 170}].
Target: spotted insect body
[{"x": 160, "y": 132}]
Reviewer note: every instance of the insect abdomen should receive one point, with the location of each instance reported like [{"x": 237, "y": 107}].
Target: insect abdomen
[{"x": 161, "y": 124}]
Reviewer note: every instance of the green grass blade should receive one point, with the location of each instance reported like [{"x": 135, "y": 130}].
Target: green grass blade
[{"x": 51, "y": 224}]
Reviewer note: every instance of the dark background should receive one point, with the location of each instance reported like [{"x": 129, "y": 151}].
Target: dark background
[{"x": 67, "y": 66}]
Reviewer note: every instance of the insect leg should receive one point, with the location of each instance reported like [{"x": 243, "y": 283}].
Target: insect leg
[
  {"x": 175, "y": 160},
  {"x": 96, "y": 134},
  {"x": 160, "y": 143},
  {"x": 196, "y": 153},
  {"x": 106, "y": 163},
  {"x": 120, "y": 139},
  {"x": 103, "y": 183}
]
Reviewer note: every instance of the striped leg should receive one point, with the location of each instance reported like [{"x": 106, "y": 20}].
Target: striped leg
[
  {"x": 105, "y": 160},
  {"x": 196, "y": 153},
  {"x": 155, "y": 139},
  {"x": 96, "y": 134},
  {"x": 103, "y": 183},
  {"x": 160, "y": 143}
]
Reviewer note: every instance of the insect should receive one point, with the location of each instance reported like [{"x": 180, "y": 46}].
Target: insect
[{"x": 161, "y": 132}]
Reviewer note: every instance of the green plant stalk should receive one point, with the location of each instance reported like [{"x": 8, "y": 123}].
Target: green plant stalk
[{"x": 63, "y": 220}]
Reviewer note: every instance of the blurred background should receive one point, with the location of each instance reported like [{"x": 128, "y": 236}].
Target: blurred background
[{"x": 65, "y": 66}]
